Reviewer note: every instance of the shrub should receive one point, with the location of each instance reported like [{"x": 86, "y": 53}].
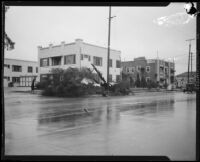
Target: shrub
[
  {"x": 40, "y": 85},
  {"x": 143, "y": 82},
  {"x": 121, "y": 88},
  {"x": 137, "y": 82}
]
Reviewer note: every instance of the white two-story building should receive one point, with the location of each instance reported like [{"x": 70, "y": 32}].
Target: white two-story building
[
  {"x": 19, "y": 72},
  {"x": 77, "y": 55}
]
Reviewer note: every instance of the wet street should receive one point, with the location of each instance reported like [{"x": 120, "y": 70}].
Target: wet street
[{"x": 157, "y": 123}]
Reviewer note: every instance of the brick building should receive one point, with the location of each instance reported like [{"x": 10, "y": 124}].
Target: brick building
[{"x": 155, "y": 70}]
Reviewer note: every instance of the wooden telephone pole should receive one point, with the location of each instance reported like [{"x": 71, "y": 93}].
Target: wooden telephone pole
[
  {"x": 189, "y": 57},
  {"x": 109, "y": 26}
]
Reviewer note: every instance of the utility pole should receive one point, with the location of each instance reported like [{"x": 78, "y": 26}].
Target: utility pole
[
  {"x": 191, "y": 62},
  {"x": 109, "y": 26},
  {"x": 189, "y": 57}
]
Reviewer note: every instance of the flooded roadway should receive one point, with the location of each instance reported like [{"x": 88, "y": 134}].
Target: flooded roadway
[{"x": 145, "y": 124}]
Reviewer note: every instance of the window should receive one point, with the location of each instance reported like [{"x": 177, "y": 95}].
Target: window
[
  {"x": 15, "y": 79},
  {"x": 81, "y": 56},
  {"x": 30, "y": 69},
  {"x": 147, "y": 69},
  {"x": 16, "y": 68},
  {"x": 127, "y": 69},
  {"x": 70, "y": 59},
  {"x": 110, "y": 63},
  {"x": 138, "y": 68},
  {"x": 118, "y": 64},
  {"x": 36, "y": 69},
  {"x": 85, "y": 57},
  {"x": 8, "y": 78},
  {"x": 110, "y": 78},
  {"x": 166, "y": 70},
  {"x": 44, "y": 62},
  {"x": 147, "y": 79},
  {"x": 97, "y": 61},
  {"x": 118, "y": 78},
  {"x": 56, "y": 61},
  {"x": 6, "y": 65},
  {"x": 133, "y": 69}
]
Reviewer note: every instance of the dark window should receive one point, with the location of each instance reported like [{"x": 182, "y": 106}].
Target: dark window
[
  {"x": 110, "y": 63},
  {"x": 118, "y": 64},
  {"x": 85, "y": 57},
  {"x": 16, "y": 68},
  {"x": 44, "y": 62},
  {"x": 30, "y": 69},
  {"x": 56, "y": 61},
  {"x": 147, "y": 79},
  {"x": 147, "y": 69},
  {"x": 15, "y": 79},
  {"x": 118, "y": 78},
  {"x": 6, "y": 65},
  {"x": 161, "y": 69},
  {"x": 36, "y": 69},
  {"x": 97, "y": 61},
  {"x": 8, "y": 78},
  {"x": 70, "y": 59},
  {"x": 110, "y": 78}
]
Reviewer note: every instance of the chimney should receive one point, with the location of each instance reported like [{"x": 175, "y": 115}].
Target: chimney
[{"x": 63, "y": 42}]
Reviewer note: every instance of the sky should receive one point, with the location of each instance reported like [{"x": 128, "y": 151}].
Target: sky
[{"x": 135, "y": 31}]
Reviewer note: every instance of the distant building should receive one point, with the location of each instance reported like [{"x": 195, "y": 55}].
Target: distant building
[
  {"x": 182, "y": 79},
  {"x": 77, "y": 55},
  {"x": 19, "y": 72},
  {"x": 155, "y": 70}
]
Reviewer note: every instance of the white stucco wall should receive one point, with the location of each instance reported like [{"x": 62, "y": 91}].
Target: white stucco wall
[
  {"x": 78, "y": 48},
  {"x": 24, "y": 64}
]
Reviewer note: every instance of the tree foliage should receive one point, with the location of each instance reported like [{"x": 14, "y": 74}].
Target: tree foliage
[
  {"x": 67, "y": 83},
  {"x": 8, "y": 43},
  {"x": 137, "y": 82}
]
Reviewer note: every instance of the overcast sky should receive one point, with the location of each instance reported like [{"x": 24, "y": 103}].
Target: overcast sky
[{"x": 135, "y": 31}]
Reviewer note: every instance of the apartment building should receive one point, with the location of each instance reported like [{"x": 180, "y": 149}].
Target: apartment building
[
  {"x": 156, "y": 70},
  {"x": 79, "y": 54},
  {"x": 19, "y": 72}
]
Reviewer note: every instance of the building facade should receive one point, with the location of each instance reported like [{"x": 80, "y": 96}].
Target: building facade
[
  {"x": 155, "y": 70},
  {"x": 77, "y": 55},
  {"x": 19, "y": 72},
  {"x": 182, "y": 79}
]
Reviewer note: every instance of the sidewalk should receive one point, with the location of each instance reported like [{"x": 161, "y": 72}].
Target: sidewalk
[
  {"x": 135, "y": 91},
  {"x": 21, "y": 89}
]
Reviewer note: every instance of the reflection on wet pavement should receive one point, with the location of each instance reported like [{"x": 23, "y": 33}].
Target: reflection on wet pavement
[{"x": 134, "y": 125}]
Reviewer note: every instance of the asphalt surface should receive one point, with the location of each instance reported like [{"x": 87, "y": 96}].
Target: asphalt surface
[{"x": 155, "y": 123}]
